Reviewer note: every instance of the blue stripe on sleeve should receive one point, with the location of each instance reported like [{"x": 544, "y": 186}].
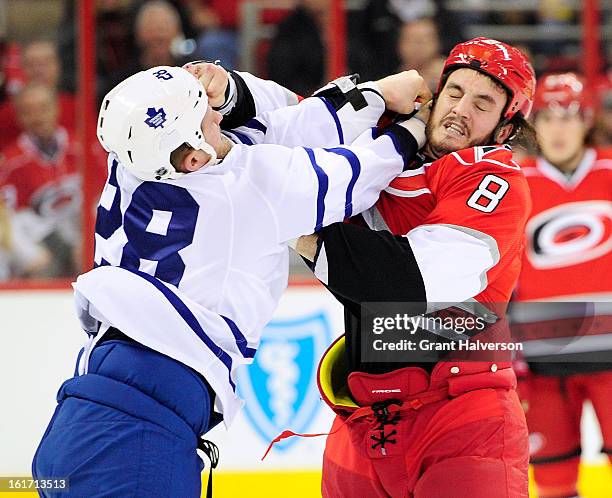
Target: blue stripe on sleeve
[
  {"x": 191, "y": 320},
  {"x": 256, "y": 125},
  {"x": 322, "y": 191},
  {"x": 397, "y": 142},
  {"x": 242, "y": 137},
  {"x": 241, "y": 341},
  {"x": 332, "y": 111},
  {"x": 356, "y": 169}
]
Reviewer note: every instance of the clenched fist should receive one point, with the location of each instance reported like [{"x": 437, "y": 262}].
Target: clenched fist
[
  {"x": 402, "y": 90},
  {"x": 214, "y": 79}
]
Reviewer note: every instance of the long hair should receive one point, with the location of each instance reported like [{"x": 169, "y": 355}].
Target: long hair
[{"x": 523, "y": 134}]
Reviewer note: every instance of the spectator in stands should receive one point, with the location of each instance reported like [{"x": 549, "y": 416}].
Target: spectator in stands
[
  {"x": 194, "y": 15},
  {"x": 411, "y": 10},
  {"x": 297, "y": 55},
  {"x": 114, "y": 31},
  {"x": 40, "y": 181},
  {"x": 373, "y": 31},
  {"x": 296, "y": 58},
  {"x": 115, "y": 44},
  {"x": 217, "y": 38},
  {"x": 158, "y": 32},
  {"x": 158, "y": 27},
  {"x": 41, "y": 64},
  {"x": 225, "y": 12},
  {"x": 419, "y": 48},
  {"x": 19, "y": 256}
]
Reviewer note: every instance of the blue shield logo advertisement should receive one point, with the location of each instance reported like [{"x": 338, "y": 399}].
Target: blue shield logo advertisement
[{"x": 280, "y": 386}]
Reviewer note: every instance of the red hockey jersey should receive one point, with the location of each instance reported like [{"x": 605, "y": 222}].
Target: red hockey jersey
[
  {"x": 477, "y": 194},
  {"x": 49, "y": 187},
  {"x": 569, "y": 234},
  {"x": 567, "y": 262}
]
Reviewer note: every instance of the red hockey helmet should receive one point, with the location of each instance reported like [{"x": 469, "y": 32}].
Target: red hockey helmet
[
  {"x": 502, "y": 62},
  {"x": 564, "y": 91}
]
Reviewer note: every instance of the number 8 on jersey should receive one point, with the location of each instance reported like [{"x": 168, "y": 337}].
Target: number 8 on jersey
[{"x": 486, "y": 199}]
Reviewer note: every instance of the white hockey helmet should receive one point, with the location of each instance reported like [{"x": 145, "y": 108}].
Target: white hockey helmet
[{"x": 148, "y": 115}]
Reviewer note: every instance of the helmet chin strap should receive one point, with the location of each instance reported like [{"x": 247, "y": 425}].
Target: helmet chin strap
[{"x": 209, "y": 149}]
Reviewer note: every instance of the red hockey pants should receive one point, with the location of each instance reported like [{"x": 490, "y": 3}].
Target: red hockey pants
[
  {"x": 449, "y": 438},
  {"x": 554, "y": 409}
]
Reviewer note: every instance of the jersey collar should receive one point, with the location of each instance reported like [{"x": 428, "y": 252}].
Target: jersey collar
[{"x": 571, "y": 181}]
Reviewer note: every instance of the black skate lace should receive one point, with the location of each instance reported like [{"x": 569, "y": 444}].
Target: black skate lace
[
  {"x": 212, "y": 452},
  {"x": 384, "y": 418}
]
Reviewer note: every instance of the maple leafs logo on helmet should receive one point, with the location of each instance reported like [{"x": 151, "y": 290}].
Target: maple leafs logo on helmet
[
  {"x": 504, "y": 63},
  {"x": 157, "y": 117}
]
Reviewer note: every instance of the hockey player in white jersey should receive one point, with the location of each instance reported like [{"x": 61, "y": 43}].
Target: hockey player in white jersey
[{"x": 191, "y": 252}]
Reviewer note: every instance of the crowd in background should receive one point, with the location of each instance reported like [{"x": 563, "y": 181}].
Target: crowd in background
[{"x": 40, "y": 187}]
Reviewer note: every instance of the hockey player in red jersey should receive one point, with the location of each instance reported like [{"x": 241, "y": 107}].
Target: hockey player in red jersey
[
  {"x": 447, "y": 230},
  {"x": 568, "y": 258},
  {"x": 40, "y": 179}
]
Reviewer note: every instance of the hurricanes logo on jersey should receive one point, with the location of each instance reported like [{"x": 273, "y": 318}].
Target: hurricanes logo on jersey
[
  {"x": 570, "y": 234},
  {"x": 58, "y": 199},
  {"x": 157, "y": 117}
]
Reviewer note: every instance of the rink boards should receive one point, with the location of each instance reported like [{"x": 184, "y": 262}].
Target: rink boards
[{"x": 41, "y": 337}]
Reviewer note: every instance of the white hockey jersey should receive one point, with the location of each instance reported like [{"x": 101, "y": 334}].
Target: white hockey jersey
[{"x": 194, "y": 267}]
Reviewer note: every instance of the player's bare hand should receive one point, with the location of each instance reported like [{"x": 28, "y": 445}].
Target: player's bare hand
[
  {"x": 402, "y": 90},
  {"x": 307, "y": 246},
  {"x": 214, "y": 79}
]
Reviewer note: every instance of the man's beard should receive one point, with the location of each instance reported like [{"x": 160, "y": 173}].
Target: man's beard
[
  {"x": 225, "y": 145},
  {"x": 435, "y": 149},
  {"x": 439, "y": 149}
]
